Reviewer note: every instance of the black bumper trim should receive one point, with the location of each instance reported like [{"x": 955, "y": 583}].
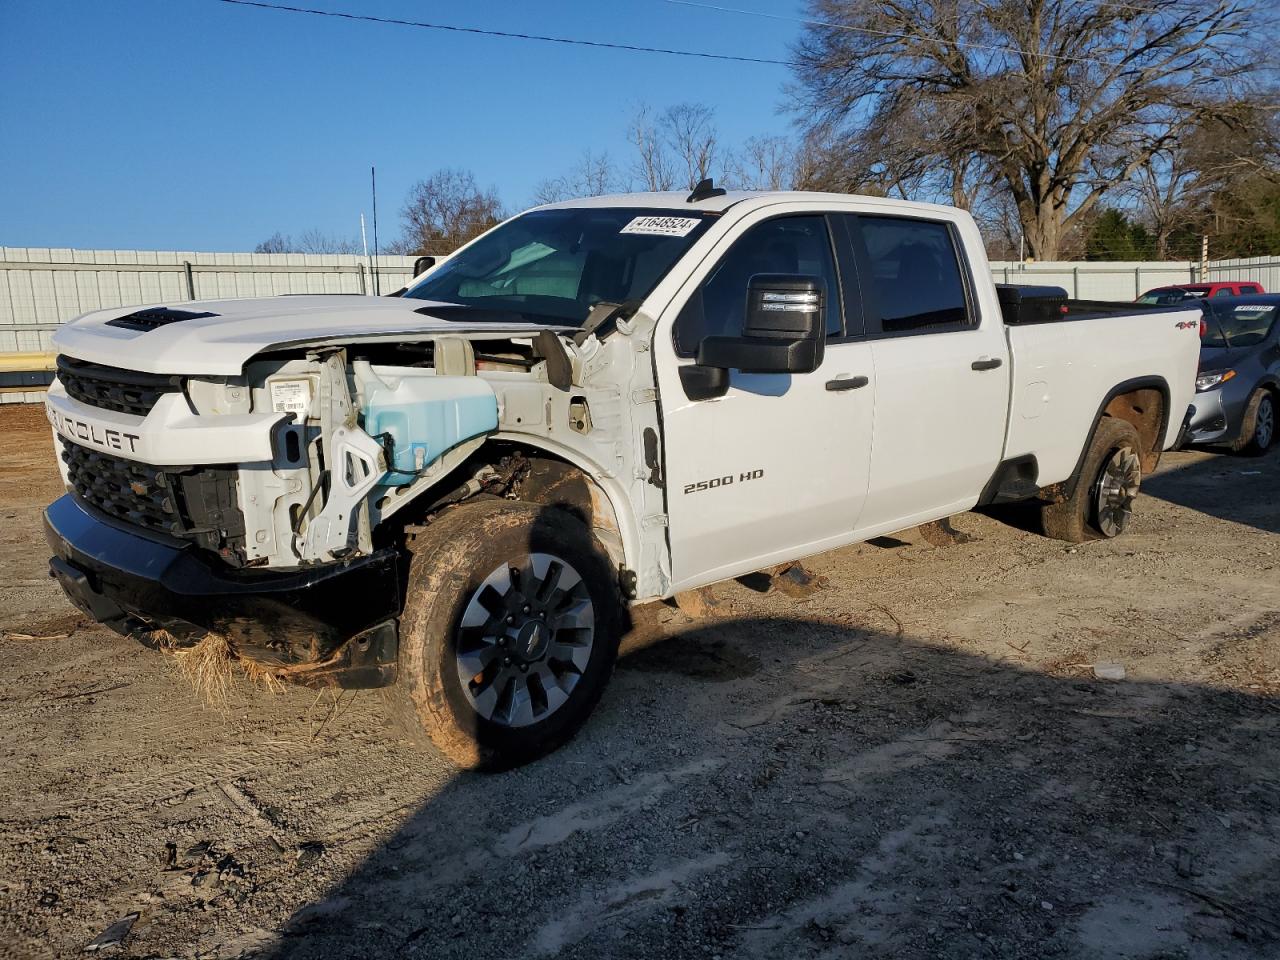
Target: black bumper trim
[
  {"x": 296, "y": 617},
  {"x": 1184, "y": 432}
]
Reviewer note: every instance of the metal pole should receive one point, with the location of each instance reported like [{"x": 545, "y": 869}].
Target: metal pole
[
  {"x": 1075, "y": 283},
  {"x": 1204, "y": 258},
  {"x": 191, "y": 279},
  {"x": 373, "y": 183},
  {"x": 364, "y": 239},
  {"x": 1137, "y": 282},
  {"x": 364, "y": 290}
]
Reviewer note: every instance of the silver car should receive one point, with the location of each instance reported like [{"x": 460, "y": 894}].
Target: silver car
[{"x": 1238, "y": 386}]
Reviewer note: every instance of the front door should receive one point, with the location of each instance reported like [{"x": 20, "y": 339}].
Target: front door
[{"x": 777, "y": 467}]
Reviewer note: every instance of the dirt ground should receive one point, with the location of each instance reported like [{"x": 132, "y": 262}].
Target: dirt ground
[{"x": 915, "y": 761}]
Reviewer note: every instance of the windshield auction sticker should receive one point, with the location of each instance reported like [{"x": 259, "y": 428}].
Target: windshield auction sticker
[{"x": 661, "y": 226}]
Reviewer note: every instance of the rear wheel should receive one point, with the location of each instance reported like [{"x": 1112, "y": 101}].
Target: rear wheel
[
  {"x": 1258, "y": 431},
  {"x": 509, "y": 635},
  {"x": 1101, "y": 505}
]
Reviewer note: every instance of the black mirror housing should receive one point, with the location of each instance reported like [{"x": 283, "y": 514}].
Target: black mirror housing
[
  {"x": 422, "y": 265},
  {"x": 784, "y": 331},
  {"x": 780, "y": 306},
  {"x": 752, "y": 355}
]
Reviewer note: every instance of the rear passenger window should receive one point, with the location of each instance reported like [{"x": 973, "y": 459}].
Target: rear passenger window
[
  {"x": 797, "y": 245},
  {"x": 1224, "y": 292},
  {"x": 916, "y": 283}
]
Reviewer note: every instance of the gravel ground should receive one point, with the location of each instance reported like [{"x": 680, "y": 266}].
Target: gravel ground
[{"x": 915, "y": 761}]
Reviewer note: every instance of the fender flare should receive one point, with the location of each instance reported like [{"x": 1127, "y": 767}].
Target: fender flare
[
  {"x": 607, "y": 482},
  {"x": 1068, "y": 486}
]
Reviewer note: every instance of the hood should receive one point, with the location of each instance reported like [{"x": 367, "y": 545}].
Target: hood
[
  {"x": 1223, "y": 358},
  {"x": 218, "y": 337}
]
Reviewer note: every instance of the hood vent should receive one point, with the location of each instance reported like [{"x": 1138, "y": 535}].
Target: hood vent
[{"x": 145, "y": 320}]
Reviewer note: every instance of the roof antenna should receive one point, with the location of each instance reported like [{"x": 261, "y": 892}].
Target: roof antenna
[{"x": 705, "y": 190}]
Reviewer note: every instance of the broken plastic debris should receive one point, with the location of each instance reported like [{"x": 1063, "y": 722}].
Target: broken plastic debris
[
  {"x": 113, "y": 935},
  {"x": 1108, "y": 671}
]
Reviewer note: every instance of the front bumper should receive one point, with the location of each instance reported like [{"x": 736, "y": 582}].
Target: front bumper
[
  {"x": 303, "y": 621},
  {"x": 1209, "y": 423}
]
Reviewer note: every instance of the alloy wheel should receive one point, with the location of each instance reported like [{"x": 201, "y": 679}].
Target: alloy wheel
[
  {"x": 1117, "y": 487},
  {"x": 1264, "y": 430},
  {"x": 525, "y": 640}
]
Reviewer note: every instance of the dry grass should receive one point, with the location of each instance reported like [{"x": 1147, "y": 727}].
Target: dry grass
[
  {"x": 260, "y": 675},
  {"x": 212, "y": 667}
]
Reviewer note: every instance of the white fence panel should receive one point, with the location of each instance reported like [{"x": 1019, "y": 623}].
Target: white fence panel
[
  {"x": 1112, "y": 280},
  {"x": 42, "y": 287},
  {"x": 1265, "y": 270}
]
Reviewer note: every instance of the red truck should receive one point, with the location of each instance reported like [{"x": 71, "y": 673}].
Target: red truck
[{"x": 1196, "y": 291}]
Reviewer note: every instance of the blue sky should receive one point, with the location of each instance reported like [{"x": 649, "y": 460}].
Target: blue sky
[{"x": 195, "y": 125}]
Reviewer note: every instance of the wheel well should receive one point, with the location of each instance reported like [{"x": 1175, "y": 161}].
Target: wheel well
[
  {"x": 522, "y": 473},
  {"x": 1144, "y": 407},
  {"x": 554, "y": 482}
]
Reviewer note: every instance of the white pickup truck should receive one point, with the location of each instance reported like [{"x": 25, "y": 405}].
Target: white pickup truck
[{"x": 457, "y": 492}]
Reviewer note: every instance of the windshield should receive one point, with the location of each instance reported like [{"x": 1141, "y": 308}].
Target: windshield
[
  {"x": 1171, "y": 295},
  {"x": 1240, "y": 325},
  {"x": 553, "y": 266}
]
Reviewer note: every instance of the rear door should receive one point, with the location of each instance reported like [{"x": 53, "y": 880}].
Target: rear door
[
  {"x": 942, "y": 372},
  {"x": 777, "y": 467}
]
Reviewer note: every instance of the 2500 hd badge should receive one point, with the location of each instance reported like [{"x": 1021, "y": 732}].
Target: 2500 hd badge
[
  {"x": 724, "y": 481},
  {"x": 107, "y": 438}
]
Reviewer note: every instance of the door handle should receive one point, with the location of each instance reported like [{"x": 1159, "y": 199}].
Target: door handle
[
  {"x": 847, "y": 383},
  {"x": 986, "y": 363}
]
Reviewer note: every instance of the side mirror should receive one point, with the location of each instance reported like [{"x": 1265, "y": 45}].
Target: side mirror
[
  {"x": 784, "y": 330},
  {"x": 422, "y": 265}
]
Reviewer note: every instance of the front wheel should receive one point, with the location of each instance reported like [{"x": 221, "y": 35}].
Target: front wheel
[
  {"x": 1101, "y": 505},
  {"x": 509, "y": 634},
  {"x": 1258, "y": 431}
]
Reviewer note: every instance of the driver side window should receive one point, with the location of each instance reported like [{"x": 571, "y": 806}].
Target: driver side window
[{"x": 788, "y": 245}]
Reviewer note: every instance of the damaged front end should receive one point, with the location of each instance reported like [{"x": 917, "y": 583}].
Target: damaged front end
[{"x": 279, "y": 555}]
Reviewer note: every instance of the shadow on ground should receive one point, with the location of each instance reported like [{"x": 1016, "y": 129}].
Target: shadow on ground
[
  {"x": 1223, "y": 485},
  {"x": 807, "y": 789},
  {"x": 1227, "y": 486}
]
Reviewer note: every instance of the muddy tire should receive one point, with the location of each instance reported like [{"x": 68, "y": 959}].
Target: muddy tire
[
  {"x": 1102, "y": 504},
  {"x": 1258, "y": 432},
  {"x": 509, "y": 635}
]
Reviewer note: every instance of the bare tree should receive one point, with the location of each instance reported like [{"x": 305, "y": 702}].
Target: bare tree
[
  {"x": 446, "y": 210},
  {"x": 276, "y": 243},
  {"x": 652, "y": 168},
  {"x": 690, "y": 133},
  {"x": 1176, "y": 185},
  {"x": 316, "y": 241},
  {"x": 552, "y": 190},
  {"x": 764, "y": 163},
  {"x": 312, "y": 241},
  {"x": 1167, "y": 188},
  {"x": 593, "y": 176},
  {"x": 898, "y": 155},
  {"x": 1059, "y": 101}
]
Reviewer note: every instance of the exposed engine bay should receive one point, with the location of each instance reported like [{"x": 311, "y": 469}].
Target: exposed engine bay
[{"x": 355, "y": 433}]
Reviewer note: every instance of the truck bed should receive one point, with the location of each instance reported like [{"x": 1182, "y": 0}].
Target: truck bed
[{"x": 1025, "y": 305}]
